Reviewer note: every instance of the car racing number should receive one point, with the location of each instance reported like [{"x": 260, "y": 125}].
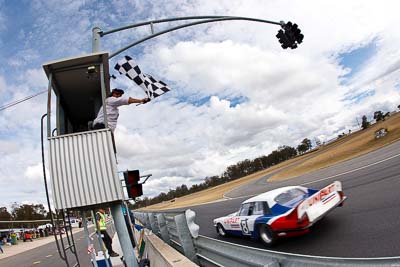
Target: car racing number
[{"x": 245, "y": 227}]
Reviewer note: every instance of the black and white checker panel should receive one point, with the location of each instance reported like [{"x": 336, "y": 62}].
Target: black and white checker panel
[{"x": 151, "y": 86}]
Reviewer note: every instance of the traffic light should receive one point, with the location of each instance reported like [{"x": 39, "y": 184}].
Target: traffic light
[
  {"x": 297, "y": 35},
  {"x": 285, "y": 43},
  {"x": 290, "y": 36},
  {"x": 133, "y": 187}
]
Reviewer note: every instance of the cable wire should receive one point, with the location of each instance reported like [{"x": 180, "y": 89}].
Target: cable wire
[{"x": 16, "y": 102}]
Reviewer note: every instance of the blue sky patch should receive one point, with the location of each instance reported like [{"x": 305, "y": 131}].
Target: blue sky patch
[
  {"x": 397, "y": 86},
  {"x": 356, "y": 99},
  {"x": 198, "y": 101},
  {"x": 201, "y": 101},
  {"x": 238, "y": 100},
  {"x": 355, "y": 59}
]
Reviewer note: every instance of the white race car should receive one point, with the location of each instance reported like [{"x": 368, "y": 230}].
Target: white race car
[{"x": 282, "y": 212}]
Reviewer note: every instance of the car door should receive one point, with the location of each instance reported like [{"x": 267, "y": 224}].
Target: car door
[{"x": 248, "y": 214}]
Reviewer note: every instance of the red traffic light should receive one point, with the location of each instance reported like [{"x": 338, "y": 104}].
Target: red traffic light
[
  {"x": 133, "y": 187},
  {"x": 135, "y": 190},
  {"x": 132, "y": 177}
]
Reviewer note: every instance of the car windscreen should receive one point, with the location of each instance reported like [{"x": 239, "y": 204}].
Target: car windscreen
[
  {"x": 290, "y": 197},
  {"x": 244, "y": 210}
]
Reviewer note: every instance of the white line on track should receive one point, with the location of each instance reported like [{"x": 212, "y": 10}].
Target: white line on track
[{"x": 354, "y": 170}]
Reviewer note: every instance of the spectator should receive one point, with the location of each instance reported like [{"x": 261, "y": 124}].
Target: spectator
[
  {"x": 101, "y": 226},
  {"x": 114, "y": 101}
]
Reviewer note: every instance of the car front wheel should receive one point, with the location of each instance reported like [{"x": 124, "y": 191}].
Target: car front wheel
[
  {"x": 221, "y": 231},
  {"x": 266, "y": 235}
]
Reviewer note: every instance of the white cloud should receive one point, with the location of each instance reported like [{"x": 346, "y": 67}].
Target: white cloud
[
  {"x": 34, "y": 173},
  {"x": 36, "y": 78},
  {"x": 7, "y": 147}
]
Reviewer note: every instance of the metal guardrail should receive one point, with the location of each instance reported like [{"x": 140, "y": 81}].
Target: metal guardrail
[{"x": 179, "y": 230}]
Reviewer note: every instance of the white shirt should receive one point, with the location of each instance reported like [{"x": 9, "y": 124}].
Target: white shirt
[{"x": 112, "y": 104}]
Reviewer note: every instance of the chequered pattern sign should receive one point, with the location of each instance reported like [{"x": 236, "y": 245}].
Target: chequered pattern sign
[{"x": 151, "y": 86}]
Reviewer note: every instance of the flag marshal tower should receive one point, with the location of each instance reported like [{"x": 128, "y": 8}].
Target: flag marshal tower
[{"x": 82, "y": 162}]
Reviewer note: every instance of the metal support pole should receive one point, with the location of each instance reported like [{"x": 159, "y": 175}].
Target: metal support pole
[
  {"x": 87, "y": 235},
  {"x": 128, "y": 221},
  {"x": 49, "y": 105},
  {"x": 185, "y": 238},
  {"x": 152, "y": 28},
  {"x": 147, "y": 223},
  {"x": 153, "y": 223},
  {"x": 215, "y": 19},
  {"x": 123, "y": 236},
  {"x": 103, "y": 94},
  {"x": 163, "y": 228},
  {"x": 96, "y": 39}
]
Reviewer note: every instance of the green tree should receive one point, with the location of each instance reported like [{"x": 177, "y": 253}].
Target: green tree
[
  {"x": 287, "y": 152},
  {"x": 302, "y": 148},
  {"x": 4, "y": 216},
  {"x": 28, "y": 212},
  {"x": 378, "y": 115},
  {"x": 364, "y": 123}
]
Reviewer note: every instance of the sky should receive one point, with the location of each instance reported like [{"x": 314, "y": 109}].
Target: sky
[{"x": 236, "y": 93}]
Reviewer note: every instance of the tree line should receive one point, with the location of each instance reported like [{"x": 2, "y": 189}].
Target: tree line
[{"x": 22, "y": 212}]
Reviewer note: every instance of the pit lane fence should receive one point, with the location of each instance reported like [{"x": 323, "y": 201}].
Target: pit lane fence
[{"x": 179, "y": 230}]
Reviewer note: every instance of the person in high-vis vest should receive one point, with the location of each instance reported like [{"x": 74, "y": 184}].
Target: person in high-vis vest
[{"x": 101, "y": 225}]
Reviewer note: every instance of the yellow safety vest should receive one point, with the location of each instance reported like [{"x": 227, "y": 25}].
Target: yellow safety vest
[{"x": 102, "y": 222}]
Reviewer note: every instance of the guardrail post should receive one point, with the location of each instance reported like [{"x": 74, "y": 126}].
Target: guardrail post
[
  {"x": 163, "y": 228},
  {"x": 144, "y": 220},
  {"x": 185, "y": 238},
  {"x": 153, "y": 223},
  {"x": 193, "y": 227},
  {"x": 147, "y": 221}
]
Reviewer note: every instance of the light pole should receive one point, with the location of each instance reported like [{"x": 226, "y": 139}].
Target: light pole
[{"x": 293, "y": 35}]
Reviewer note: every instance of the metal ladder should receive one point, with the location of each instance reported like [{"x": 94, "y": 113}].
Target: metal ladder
[{"x": 70, "y": 245}]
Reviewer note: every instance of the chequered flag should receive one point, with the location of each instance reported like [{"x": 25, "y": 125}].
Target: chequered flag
[{"x": 151, "y": 86}]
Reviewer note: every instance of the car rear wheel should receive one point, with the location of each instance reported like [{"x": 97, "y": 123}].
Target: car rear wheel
[
  {"x": 221, "y": 231},
  {"x": 266, "y": 235}
]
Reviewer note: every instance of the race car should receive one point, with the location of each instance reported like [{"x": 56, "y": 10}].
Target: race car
[{"x": 282, "y": 212}]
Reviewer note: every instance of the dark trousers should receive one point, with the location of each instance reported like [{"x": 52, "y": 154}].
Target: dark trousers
[
  {"x": 107, "y": 241},
  {"x": 99, "y": 126}
]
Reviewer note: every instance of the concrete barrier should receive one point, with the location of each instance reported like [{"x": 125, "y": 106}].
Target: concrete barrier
[{"x": 163, "y": 255}]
